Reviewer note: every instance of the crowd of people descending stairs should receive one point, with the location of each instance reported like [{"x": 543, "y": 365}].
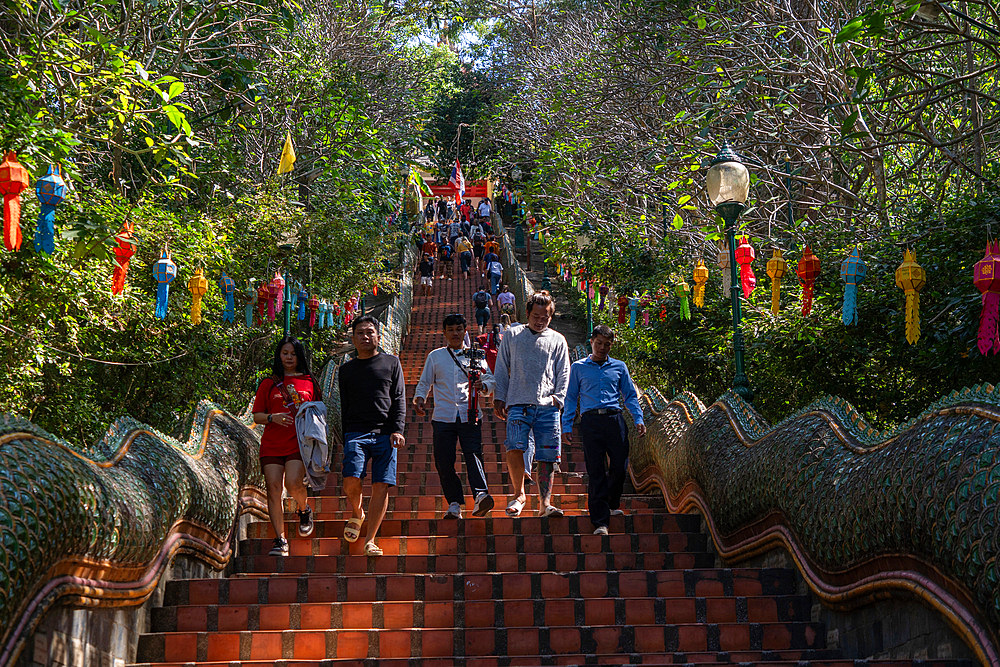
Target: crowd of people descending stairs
[{"x": 397, "y": 560}]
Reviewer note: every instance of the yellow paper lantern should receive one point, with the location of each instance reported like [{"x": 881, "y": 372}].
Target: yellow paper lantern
[
  {"x": 700, "y": 278},
  {"x": 198, "y": 285},
  {"x": 776, "y": 269},
  {"x": 911, "y": 278}
]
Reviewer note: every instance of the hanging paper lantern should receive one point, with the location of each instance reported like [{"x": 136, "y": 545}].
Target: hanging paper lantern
[
  {"x": 723, "y": 261},
  {"x": 198, "y": 285},
  {"x": 911, "y": 278},
  {"x": 852, "y": 271},
  {"x": 633, "y": 306},
  {"x": 777, "y": 267},
  {"x": 279, "y": 300},
  {"x": 683, "y": 291},
  {"x": 165, "y": 271},
  {"x": 274, "y": 291},
  {"x": 744, "y": 257},
  {"x": 330, "y": 320},
  {"x": 13, "y": 179},
  {"x": 303, "y": 304},
  {"x": 313, "y": 308},
  {"x": 228, "y": 288},
  {"x": 603, "y": 292},
  {"x": 700, "y": 278},
  {"x": 123, "y": 255},
  {"x": 51, "y": 190},
  {"x": 986, "y": 275},
  {"x": 263, "y": 297},
  {"x": 623, "y": 309},
  {"x": 807, "y": 270},
  {"x": 337, "y": 313},
  {"x": 250, "y": 295}
]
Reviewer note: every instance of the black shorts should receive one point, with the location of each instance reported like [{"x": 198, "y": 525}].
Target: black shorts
[
  {"x": 478, "y": 252},
  {"x": 278, "y": 460}
]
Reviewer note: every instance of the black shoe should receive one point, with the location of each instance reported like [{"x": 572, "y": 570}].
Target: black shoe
[
  {"x": 305, "y": 522},
  {"x": 280, "y": 547}
]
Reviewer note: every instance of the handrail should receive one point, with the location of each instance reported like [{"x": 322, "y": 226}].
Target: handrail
[
  {"x": 862, "y": 512},
  {"x": 99, "y": 525}
]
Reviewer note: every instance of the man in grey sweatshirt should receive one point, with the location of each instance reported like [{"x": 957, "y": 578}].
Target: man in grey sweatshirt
[{"x": 532, "y": 377}]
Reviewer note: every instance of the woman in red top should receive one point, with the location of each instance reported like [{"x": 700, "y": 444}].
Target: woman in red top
[{"x": 277, "y": 400}]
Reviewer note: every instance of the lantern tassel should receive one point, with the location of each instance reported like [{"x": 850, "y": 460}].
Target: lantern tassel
[
  {"x": 12, "y": 222},
  {"x": 807, "y": 299},
  {"x": 302, "y": 306},
  {"x": 912, "y": 316},
  {"x": 229, "y": 314},
  {"x": 118, "y": 277},
  {"x": 849, "y": 314},
  {"x": 195, "y": 308},
  {"x": 270, "y": 308},
  {"x": 988, "y": 323},
  {"x": 727, "y": 288},
  {"x": 699, "y": 295},
  {"x": 775, "y": 296},
  {"x": 162, "y": 293},
  {"x": 685, "y": 309},
  {"x": 748, "y": 279},
  {"x": 45, "y": 230}
]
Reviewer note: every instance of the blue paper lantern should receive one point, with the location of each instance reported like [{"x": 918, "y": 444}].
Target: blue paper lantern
[
  {"x": 303, "y": 298},
  {"x": 852, "y": 271},
  {"x": 165, "y": 271},
  {"x": 228, "y": 288},
  {"x": 51, "y": 190}
]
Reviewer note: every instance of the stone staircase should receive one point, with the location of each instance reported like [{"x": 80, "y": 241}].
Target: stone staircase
[{"x": 486, "y": 591}]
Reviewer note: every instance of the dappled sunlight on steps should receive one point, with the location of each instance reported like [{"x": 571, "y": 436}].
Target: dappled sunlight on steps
[{"x": 492, "y": 591}]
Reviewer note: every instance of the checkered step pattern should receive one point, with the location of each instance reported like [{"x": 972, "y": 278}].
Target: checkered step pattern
[{"x": 486, "y": 591}]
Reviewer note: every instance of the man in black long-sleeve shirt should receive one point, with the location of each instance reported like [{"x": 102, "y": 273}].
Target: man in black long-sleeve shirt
[{"x": 373, "y": 412}]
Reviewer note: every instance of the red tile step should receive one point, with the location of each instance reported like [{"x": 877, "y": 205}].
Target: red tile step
[
  {"x": 506, "y": 641},
  {"x": 479, "y": 614},
  {"x": 289, "y": 589}
]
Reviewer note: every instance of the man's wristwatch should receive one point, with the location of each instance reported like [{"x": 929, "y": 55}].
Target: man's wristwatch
[{"x": 269, "y": 415}]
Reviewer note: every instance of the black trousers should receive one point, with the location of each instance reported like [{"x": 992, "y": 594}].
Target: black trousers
[
  {"x": 605, "y": 451},
  {"x": 470, "y": 435}
]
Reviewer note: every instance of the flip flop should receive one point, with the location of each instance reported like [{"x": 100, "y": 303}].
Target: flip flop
[
  {"x": 514, "y": 507},
  {"x": 551, "y": 511},
  {"x": 372, "y": 549},
  {"x": 352, "y": 530}
]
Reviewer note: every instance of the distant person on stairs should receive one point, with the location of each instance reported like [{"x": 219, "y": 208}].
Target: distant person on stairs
[
  {"x": 597, "y": 385},
  {"x": 426, "y": 272},
  {"x": 373, "y": 410},
  {"x": 532, "y": 374},
  {"x": 448, "y": 372},
  {"x": 464, "y": 249},
  {"x": 481, "y": 300},
  {"x": 278, "y": 397}
]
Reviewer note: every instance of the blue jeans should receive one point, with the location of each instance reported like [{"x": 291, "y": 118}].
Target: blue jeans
[
  {"x": 494, "y": 284},
  {"x": 359, "y": 448},
  {"x": 540, "y": 421},
  {"x": 466, "y": 260}
]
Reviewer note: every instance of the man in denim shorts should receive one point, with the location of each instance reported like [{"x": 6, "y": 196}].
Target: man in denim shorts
[
  {"x": 532, "y": 376},
  {"x": 373, "y": 409}
]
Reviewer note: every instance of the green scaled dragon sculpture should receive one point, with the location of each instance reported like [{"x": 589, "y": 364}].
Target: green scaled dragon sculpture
[{"x": 864, "y": 513}]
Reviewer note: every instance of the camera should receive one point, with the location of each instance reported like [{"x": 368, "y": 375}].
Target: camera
[
  {"x": 477, "y": 366},
  {"x": 476, "y": 356}
]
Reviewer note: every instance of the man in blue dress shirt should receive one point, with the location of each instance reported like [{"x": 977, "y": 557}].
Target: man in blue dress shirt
[{"x": 597, "y": 385}]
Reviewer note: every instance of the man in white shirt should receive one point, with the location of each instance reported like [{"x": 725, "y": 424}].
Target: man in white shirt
[
  {"x": 484, "y": 207},
  {"x": 532, "y": 376},
  {"x": 448, "y": 371}
]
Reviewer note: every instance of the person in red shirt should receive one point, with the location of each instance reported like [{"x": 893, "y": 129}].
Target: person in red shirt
[
  {"x": 278, "y": 397},
  {"x": 490, "y": 343}
]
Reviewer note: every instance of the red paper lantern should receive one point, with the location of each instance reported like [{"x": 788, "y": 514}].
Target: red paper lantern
[
  {"x": 263, "y": 294},
  {"x": 807, "y": 271},
  {"x": 623, "y": 310},
  {"x": 986, "y": 275},
  {"x": 744, "y": 257},
  {"x": 313, "y": 307},
  {"x": 13, "y": 180},
  {"x": 123, "y": 255}
]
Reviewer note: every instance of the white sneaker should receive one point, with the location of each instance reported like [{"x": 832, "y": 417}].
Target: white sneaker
[
  {"x": 617, "y": 512},
  {"x": 484, "y": 503},
  {"x": 454, "y": 511},
  {"x": 601, "y": 530}
]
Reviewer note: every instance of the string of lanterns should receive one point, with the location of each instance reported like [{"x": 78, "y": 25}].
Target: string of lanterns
[
  {"x": 266, "y": 300},
  {"x": 910, "y": 277}
]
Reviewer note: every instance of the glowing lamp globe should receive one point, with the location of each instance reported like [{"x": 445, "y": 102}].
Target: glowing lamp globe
[{"x": 728, "y": 180}]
